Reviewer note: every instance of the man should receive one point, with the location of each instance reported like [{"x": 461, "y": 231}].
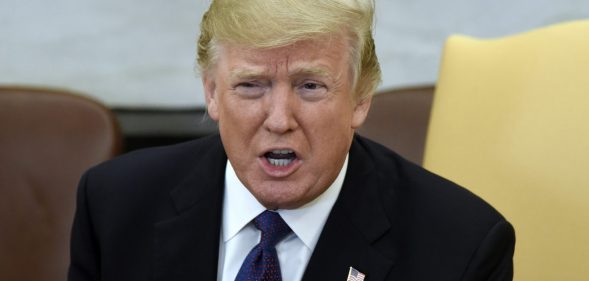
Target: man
[{"x": 287, "y": 191}]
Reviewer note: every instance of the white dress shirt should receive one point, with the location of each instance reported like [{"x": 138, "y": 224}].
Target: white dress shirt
[{"x": 239, "y": 236}]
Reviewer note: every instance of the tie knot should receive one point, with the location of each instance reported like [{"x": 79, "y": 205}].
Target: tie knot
[{"x": 273, "y": 228}]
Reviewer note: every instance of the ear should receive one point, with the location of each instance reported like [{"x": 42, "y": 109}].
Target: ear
[
  {"x": 209, "y": 85},
  {"x": 361, "y": 111}
]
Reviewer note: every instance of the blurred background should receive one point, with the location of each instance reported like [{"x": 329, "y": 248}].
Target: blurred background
[{"x": 137, "y": 57}]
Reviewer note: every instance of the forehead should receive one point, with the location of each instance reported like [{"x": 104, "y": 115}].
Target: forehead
[{"x": 321, "y": 56}]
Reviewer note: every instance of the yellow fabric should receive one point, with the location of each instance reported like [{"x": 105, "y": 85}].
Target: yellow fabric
[{"x": 510, "y": 121}]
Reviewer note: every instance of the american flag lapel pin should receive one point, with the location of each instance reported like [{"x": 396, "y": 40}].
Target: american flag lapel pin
[{"x": 355, "y": 275}]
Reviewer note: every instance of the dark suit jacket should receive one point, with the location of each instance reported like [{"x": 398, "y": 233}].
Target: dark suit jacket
[{"x": 156, "y": 215}]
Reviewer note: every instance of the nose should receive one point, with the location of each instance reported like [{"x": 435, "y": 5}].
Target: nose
[{"x": 281, "y": 111}]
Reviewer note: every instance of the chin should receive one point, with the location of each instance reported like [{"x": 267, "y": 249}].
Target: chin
[{"x": 279, "y": 201}]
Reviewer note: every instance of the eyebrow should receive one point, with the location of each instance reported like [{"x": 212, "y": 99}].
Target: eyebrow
[
  {"x": 241, "y": 73},
  {"x": 244, "y": 73},
  {"x": 310, "y": 70}
]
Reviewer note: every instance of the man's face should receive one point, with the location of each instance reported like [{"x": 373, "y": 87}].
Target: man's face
[{"x": 286, "y": 116}]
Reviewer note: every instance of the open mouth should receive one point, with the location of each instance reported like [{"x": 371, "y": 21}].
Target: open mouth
[{"x": 280, "y": 157}]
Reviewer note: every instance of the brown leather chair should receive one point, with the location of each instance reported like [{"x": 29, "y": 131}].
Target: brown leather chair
[
  {"x": 399, "y": 118},
  {"x": 47, "y": 139}
]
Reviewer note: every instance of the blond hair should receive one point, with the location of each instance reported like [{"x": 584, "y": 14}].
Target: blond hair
[{"x": 277, "y": 23}]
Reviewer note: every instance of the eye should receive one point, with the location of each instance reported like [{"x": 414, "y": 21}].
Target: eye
[
  {"x": 246, "y": 85},
  {"x": 249, "y": 89},
  {"x": 310, "y": 86},
  {"x": 311, "y": 90}
]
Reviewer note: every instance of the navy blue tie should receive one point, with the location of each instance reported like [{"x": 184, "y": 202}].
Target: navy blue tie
[{"x": 261, "y": 264}]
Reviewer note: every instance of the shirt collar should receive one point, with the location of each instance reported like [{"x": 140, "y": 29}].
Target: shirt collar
[{"x": 240, "y": 207}]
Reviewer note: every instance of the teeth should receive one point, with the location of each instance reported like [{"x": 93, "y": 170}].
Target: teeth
[
  {"x": 280, "y": 157},
  {"x": 282, "y": 151},
  {"x": 279, "y": 162}
]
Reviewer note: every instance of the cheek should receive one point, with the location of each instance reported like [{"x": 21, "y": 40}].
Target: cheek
[
  {"x": 330, "y": 128},
  {"x": 238, "y": 116},
  {"x": 333, "y": 117}
]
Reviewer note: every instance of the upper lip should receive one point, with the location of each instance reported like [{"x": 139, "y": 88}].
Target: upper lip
[
  {"x": 279, "y": 150},
  {"x": 282, "y": 151}
]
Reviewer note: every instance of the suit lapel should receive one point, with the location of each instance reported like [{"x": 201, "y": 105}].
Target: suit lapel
[
  {"x": 187, "y": 245},
  {"x": 355, "y": 228}
]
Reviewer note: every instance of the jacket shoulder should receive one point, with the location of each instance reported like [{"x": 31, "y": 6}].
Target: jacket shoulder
[
  {"x": 440, "y": 224},
  {"x": 421, "y": 188},
  {"x": 160, "y": 161},
  {"x": 151, "y": 173}
]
